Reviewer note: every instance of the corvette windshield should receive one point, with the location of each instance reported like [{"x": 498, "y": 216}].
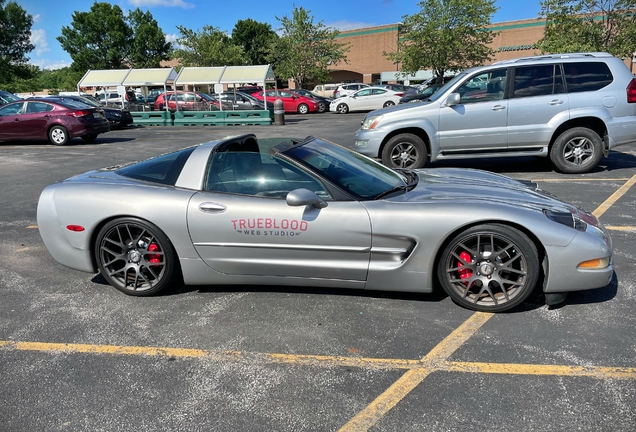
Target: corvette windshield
[{"x": 362, "y": 177}]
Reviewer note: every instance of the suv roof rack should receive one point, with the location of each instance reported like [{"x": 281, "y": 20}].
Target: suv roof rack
[{"x": 553, "y": 57}]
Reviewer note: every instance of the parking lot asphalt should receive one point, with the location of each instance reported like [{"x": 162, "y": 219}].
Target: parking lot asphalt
[{"x": 78, "y": 355}]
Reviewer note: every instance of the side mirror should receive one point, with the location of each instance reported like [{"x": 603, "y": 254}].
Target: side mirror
[
  {"x": 303, "y": 197},
  {"x": 453, "y": 99}
]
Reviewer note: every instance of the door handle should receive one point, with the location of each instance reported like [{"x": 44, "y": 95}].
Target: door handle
[
  {"x": 16, "y": 119},
  {"x": 555, "y": 102},
  {"x": 212, "y": 207},
  {"x": 498, "y": 108}
]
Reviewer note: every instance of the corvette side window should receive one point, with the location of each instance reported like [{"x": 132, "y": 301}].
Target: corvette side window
[{"x": 256, "y": 174}]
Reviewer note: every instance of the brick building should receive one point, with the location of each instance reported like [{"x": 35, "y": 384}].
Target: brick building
[{"x": 366, "y": 62}]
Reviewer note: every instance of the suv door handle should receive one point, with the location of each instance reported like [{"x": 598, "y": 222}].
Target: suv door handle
[
  {"x": 555, "y": 102},
  {"x": 498, "y": 108}
]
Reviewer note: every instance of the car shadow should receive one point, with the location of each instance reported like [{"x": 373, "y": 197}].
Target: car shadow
[
  {"x": 532, "y": 164},
  {"x": 73, "y": 142},
  {"x": 435, "y": 296}
]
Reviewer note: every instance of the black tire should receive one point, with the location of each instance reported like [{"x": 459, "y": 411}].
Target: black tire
[
  {"x": 388, "y": 104},
  {"x": 342, "y": 108},
  {"x": 404, "y": 151},
  {"x": 58, "y": 135},
  {"x": 576, "y": 151},
  {"x": 89, "y": 138},
  {"x": 322, "y": 107},
  {"x": 135, "y": 257},
  {"x": 479, "y": 278},
  {"x": 303, "y": 109}
]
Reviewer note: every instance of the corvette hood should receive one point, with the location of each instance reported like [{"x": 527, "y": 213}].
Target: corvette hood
[{"x": 460, "y": 184}]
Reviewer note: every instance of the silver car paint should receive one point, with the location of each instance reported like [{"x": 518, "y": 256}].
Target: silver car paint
[{"x": 388, "y": 244}]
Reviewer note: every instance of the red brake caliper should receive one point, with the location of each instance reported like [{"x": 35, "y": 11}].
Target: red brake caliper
[
  {"x": 156, "y": 258},
  {"x": 464, "y": 273}
]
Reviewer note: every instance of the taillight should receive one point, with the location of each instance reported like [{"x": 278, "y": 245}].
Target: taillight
[
  {"x": 79, "y": 113},
  {"x": 399, "y": 94},
  {"x": 631, "y": 91}
]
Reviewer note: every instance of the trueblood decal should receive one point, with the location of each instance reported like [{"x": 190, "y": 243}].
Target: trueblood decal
[{"x": 258, "y": 226}]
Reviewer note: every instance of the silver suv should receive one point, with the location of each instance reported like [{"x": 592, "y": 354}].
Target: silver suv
[{"x": 572, "y": 108}]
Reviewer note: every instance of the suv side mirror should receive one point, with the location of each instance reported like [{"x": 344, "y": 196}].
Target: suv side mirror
[{"x": 453, "y": 99}]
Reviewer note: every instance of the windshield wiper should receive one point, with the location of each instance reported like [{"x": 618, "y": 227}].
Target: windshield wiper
[{"x": 394, "y": 189}]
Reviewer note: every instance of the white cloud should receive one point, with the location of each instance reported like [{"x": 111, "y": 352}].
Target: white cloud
[
  {"x": 171, "y": 37},
  {"x": 165, "y": 3},
  {"x": 36, "y": 18},
  {"x": 344, "y": 25},
  {"x": 51, "y": 65},
  {"x": 38, "y": 38}
]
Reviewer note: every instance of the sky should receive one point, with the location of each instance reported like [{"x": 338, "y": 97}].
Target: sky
[{"x": 50, "y": 16}]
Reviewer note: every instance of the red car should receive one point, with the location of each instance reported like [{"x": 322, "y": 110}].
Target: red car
[
  {"x": 58, "y": 121},
  {"x": 293, "y": 102},
  {"x": 187, "y": 101}
]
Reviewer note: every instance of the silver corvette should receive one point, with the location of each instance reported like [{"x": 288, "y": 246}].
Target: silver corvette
[{"x": 311, "y": 213}]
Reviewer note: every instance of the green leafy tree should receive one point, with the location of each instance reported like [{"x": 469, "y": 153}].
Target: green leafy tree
[
  {"x": 148, "y": 46},
  {"x": 64, "y": 79},
  {"x": 255, "y": 38},
  {"x": 98, "y": 39},
  {"x": 445, "y": 35},
  {"x": 589, "y": 25},
  {"x": 15, "y": 33},
  {"x": 207, "y": 47},
  {"x": 305, "y": 49}
]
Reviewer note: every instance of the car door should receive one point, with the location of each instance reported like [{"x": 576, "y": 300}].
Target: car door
[
  {"x": 479, "y": 121},
  {"x": 538, "y": 97},
  {"x": 289, "y": 101},
  {"x": 11, "y": 121},
  {"x": 241, "y": 223},
  {"x": 36, "y": 119},
  {"x": 360, "y": 100},
  {"x": 377, "y": 98}
]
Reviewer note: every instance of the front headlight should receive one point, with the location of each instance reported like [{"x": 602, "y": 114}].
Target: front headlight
[
  {"x": 566, "y": 218},
  {"x": 371, "y": 122}
]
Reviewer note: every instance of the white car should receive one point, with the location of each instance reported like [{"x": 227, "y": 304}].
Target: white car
[
  {"x": 367, "y": 99},
  {"x": 347, "y": 89}
]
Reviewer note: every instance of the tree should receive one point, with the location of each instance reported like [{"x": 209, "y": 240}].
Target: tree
[
  {"x": 148, "y": 46},
  {"x": 98, "y": 39},
  {"x": 15, "y": 34},
  {"x": 589, "y": 25},
  {"x": 207, "y": 47},
  {"x": 305, "y": 50},
  {"x": 255, "y": 38},
  {"x": 445, "y": 35}
]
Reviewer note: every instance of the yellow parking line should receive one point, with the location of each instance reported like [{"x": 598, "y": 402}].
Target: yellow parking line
[
  {"x": 32, "y": 226},
  {"x": 535, "y": 369},
  {"x": 103, "y": 349},
  {"x": 370, "y": 415},
  {"x": 620, "y": 228},
  {"x": 615, "y": 197},
  {"x": 579, "y": 179}
]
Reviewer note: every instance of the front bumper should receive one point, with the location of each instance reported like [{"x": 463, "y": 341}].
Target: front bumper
[
  {"x": 369, "y": 142},
  {"x": 563, "y": 274}
]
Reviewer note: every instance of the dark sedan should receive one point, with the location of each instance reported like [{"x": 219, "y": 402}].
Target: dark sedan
[
  {"x": 241, "y": 101},
  {"x": 117, "y": 118},
  {"x": 421, "y": 95},
  {"x": 56, "y": 120}
]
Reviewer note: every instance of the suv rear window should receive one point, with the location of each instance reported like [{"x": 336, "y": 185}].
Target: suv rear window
[{"x": 587, "y": 76}]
